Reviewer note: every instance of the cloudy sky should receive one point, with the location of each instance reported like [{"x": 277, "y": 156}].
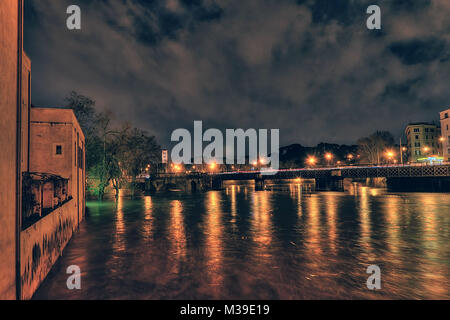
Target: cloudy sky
[{"x": 308, "y": 67}]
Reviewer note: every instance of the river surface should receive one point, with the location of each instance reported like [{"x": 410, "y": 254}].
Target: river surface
[{"x": 284, "y": 243}]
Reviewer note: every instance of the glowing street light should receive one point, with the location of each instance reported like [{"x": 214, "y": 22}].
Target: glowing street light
[
  {"x": 312, "y": 161},
  {"x": 328, "y": 157},
  {"x": 390, "y": 155},
  {"x": 212, "y": 166}
]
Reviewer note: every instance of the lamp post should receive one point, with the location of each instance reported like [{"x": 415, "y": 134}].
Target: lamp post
[
  {"x": 350, "y": 157},
  {"x": 328, "y": 157},
  {"x": 441, "y": 140},
  {"x": 311, "y": 161},
  {"x": 390, "y": 155},
  {"x": 403, "y": 150}
]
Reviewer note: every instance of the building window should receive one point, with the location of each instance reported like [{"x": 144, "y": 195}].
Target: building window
[
  {"x": 58, "y": 150},
  {"x": 80, "y": 158},
  {"x": 416, "y": 130},
  {"x": 417, "y": 137}
]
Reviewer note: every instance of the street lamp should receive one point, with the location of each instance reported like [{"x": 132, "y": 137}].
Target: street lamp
[
  {"x": 311, "y": 160},
  {"x": 403, "y": 150},
  {"x": 329, "y": 157},
  {"x": 390, "y": 155},
  {"x": 441, "y": 140}
]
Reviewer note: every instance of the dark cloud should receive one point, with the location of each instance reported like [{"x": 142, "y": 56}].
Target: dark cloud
[
  {"x": 419, "y": 50},
  {"x": 409, "y": 5},
  {"x": 310, "y": 68}
]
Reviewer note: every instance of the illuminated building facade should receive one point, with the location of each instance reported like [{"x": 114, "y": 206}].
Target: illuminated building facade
[{"x": 423, "y": 141}]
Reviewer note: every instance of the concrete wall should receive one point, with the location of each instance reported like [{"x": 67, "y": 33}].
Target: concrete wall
[
  {"x": 9, "y": 30},
  {"x": 43, "y": 243}
]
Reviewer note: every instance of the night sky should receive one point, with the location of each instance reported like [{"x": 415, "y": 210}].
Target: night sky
[{"x": 310, "y": 68}]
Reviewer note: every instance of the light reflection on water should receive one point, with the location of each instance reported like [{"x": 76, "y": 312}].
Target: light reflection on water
[{"x": 286, "y": 243}]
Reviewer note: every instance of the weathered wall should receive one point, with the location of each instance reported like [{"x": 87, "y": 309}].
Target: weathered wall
[
  {"x": 26, "y": 104},
  {"x": 8, "y": 107},
  {"x": 43, "y": 157},
  {"x": 43, "y": 243},
  {"x": 52, "y": 127}
]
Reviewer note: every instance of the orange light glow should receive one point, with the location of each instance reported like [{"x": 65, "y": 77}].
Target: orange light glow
[
  {"x": 390, "y": 154},
  {"x": 312, "y": 160}
]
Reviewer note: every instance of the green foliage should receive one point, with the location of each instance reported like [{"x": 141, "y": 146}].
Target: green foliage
[{"x": 113, "y": 155}]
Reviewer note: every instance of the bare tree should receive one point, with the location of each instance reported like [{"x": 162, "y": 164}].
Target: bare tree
[
  {"x": 141, "y": 151},
  {"x": 373, "y": 147}
]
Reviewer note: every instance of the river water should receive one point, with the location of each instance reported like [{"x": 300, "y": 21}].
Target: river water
[{"x": 283, "y": 243}]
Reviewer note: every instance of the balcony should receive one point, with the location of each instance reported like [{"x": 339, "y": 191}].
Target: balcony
[{"x": 42, "y": 193}]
